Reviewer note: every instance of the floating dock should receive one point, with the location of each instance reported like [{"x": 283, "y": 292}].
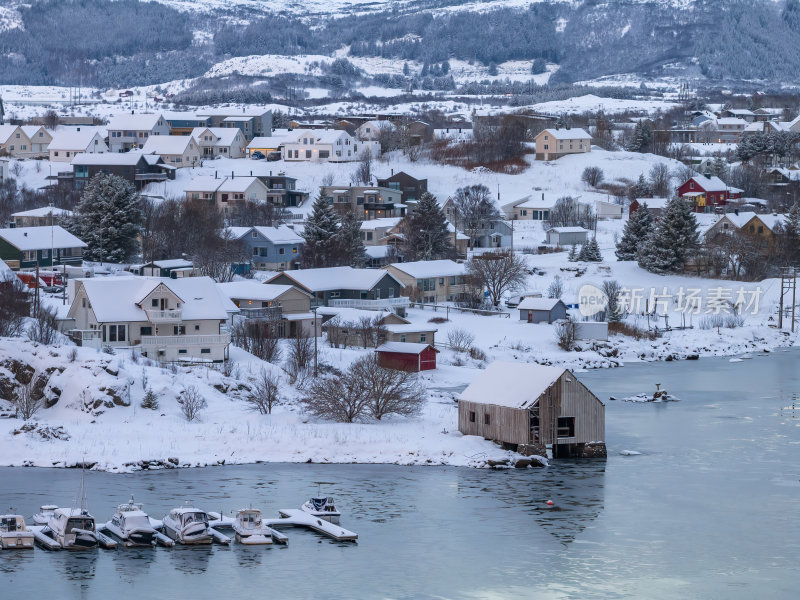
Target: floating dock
[
  {"x": 300, "y": 518},
  {"x": 219, "y": 521},
  {"x": 49, "y": 543}
]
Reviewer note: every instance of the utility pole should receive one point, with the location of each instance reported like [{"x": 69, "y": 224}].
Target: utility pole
[
  {"x": 315, "y": 340},
  {"x": 788, "y": 283}
]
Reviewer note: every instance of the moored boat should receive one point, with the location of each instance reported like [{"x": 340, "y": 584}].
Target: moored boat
[
  {"x": 250, "y": 529},
  {"x": 187, "y": 525},
  {"x": 45, "y": 514},
  {"x": 72, "y": 529},
  {"x": 322, "y": 508},
  {"x": 14, "y": 533},
  {"x": 132, "y": 525}
]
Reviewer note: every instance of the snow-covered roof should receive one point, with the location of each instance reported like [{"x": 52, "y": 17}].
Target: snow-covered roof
[
  {"x": 511, "y": 384},
  {"x": 282, "y": 234},
  {"x": 381, "y": 223},
  {"x": 387, "y": 125},
  {"x": 547, "y": 304},
  {"x": 204, "y": 183},
  {"x": 108, "y": 158},
  {"x": 771, "y": 221},
  {"x": 732, "y": 121},
  {"x": 172, "y": 263},
  {"x": 239, "y": 184},
  {"x": 329, "y": 136},
  {"x": 337, "y": 278},
  {"x": 74, "y": 138},
  {"x": 657, "y": 203},
  {"x": 423, "y": 269},
  {"x": 712, "y": 183},
  {"x": 167, "y": 144},
  {"x": 409, "y": 327},
  {"x": 378, "y": 251},
  {"x": 239, "y": 112},
  {"x": 226, "y": 136},
  {"x": 569, "y": 230},
  {"x": 273, "y": 141},
  {"x": 346, "y": 314},
  {"x": 137, "y": 122},
  {"x": 6, "y": 131},
  {"x": 40, "y": 238},
  {"x": 32, "y": 130},
  {"x": 237, "y": 233},
  {"x": 115, "y": 298},
  {"x": 568, "y": 134},
  {"x": 737, "y": 220},
  {"x": 253, "y": 290},
  {"x": 403, "y": 347},
  {"x": 44, "y": 211},
  {"x": 741, "y": 111},
  {"x": 533, "y": 201}
]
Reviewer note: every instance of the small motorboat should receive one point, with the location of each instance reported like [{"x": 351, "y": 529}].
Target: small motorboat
[
  {"x": 72, "y": 529},
  {"x": 187, "y": 525},
  {"x": 322, "y": 508},
  {"x": 250, "y": 529},
  {"x": 44, "y": 515},
  {"x": 14, "y": 533},
  {"x": 132, "y": 525}
]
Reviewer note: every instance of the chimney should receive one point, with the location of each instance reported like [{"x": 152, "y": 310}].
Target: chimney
[
  {"x": 707, "y": 174},
  {"x": 542, "y": 196},
  {"x": 251, "y": 173},
  {"x": 736, "y": 211},
  {"x": 232, "y": 175},
  {"x": 216, "y": 175},
  {"x": 392, "y": 173}
]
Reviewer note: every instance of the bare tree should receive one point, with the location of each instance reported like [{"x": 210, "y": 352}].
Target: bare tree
[
  {"x": 498, "y": 272},
  {"x": 44, "y": 328},
  {"x": 565, "y": 334},
  {"x": 612, "y": 289},
  {"x": 363, "y": 172},
  {"x": 25, "y": 401},
  {"x": 192, "y": 403},
  {"x": 51, "y": 119},
  {"x": 475, "y": 208},
  {"x": 460, "y": 339},
  {"x": 14, "y": 306},
  {"x": 556, "y": 288},
  {"x": 258, "y": 337},
  {"x": 660, "y": 180},
  {"x": 568, "y": 212},
  {"x": 301, "y": 355},
  {"x": 343, "y": 399},
  {"x": 369, "y": 331},
  {"x": 593, "y": 176},
  {"x": 265, "y": 393},
  {"x": 389, "y": 391}
]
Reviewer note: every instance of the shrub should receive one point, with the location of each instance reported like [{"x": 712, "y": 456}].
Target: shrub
[
  {"x": 44, "y": 328},
  {"x": 565, "y": 335},
  {"x": 25, "y": 403},
  {"x": 477, "y": 353},
  {"x": 150, "y": 400},
  {"x": 556, "y": 288},
  {"x": 438, "y": 320},
  {"x": 192, "y": 403},
  {"x": 460, "y": 339},
  {"x": 265, "y": 393}
]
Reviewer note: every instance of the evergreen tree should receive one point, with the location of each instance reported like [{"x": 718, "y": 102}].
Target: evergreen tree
[
  {"x": 406, "y": 70},
  {"x": 642, "y": 140},
  {"x": 426, "y": 235},
  {"x": 673, "y": 241},
  {"x": 350, "y": 245},
  {"x": 641, "y": 188},
  {"x": 573, "y": 253},
  {"x": 109, "y": 219},
  {"x": 150, "y": 400},
  {"x": 719, "y": 167},
  {"x": 583, "y": 255},
  {"x": 321, "y": 235},
  {"x": 637, "y": 230},
  {"x": 791, "y": 236},
  {"x": 593, "y": 251}
]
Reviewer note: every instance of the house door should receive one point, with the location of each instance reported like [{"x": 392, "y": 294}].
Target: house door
[
  {"x": 530, "y": 316},
  {"x": 163, "y": 304}
]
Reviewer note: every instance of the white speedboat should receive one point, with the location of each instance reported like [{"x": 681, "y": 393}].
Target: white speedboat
[
  {"x": 44, "y": 515},
  {"x": 132, "y": 525},
  {"x": 322, "y": 508},
  {"x": 187, "y": 525},
  {"x": 250, "y": 528},
  {"x": 14, "y": 533},
  {"x": 72, "y": 529}
]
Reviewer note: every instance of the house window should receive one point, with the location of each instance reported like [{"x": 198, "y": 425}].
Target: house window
[
  {"x": 760, "y": 230},
  {"x": 335, "y": 294},
  {"x": 116, "y": 333},
  {"x": 179, "y": 330},
  {"x": 487, "y": 419},
  {"x": 566, "y": 427},
  {"x": 294, "y": 250},
  {"x": 423, "y": 337},
  {"x": 472, "y": 416},
  {"x": 29, "y": 255},
  {"x": 402, "y": 338},
  {"x": 255, "y": 234},
  {"x": 197, "y": 327},
  {"x": 182, "y": 351},
  {"x": 205, "y": 350},
  {"x": 146, "y": 331},
  {"x": 281, "y": 250},
  {"x": 691, "y": 185},
  {"x": 154, "y": 302}
]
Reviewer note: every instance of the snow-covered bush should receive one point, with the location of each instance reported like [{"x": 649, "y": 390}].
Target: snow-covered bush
[
  {"x": 565, "y": 334},
  {"x": 192, "y": 403},
  {"x": 150, "y": 400}
]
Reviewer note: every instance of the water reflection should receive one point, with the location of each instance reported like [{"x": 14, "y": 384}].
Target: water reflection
[
  {"x": 78, "y": 565},
  {"x": 131, "y": 563},
  {"x": 190, "y": 559}
]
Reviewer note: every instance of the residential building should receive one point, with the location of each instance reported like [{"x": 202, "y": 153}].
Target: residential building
[
  {"x": 708, "y": 192},
  {"x": 184, "y": 123},
  {"x": 131, "y": 131},
  {"x": 530, "y": 208},
  {"x": 14, "y": 141},
  {"x": 454, "y": 133},
  {"x": 542, "y": 310},
  {"x": 489, "y": 233},
  {"x": 68, "y": 142},
  {"x": 567, "y": 236},
  {"x": 271, "y": 248},
  {"x": 540, "y": 407},
  {"x": 608, "y": 210},
  {"x": 267, "y": 144},
  {"x": 372, "y": 130},
  {"x": 40, "y": 139},
  {"x": 366, "y": 201},
  {"x": 38, "y": 217},
  {"x": 137, "y": 168},
  {"x": 252, "y": 122},
  {"x": 433, "y": 281},
  {"x": 655, "y": 206},
  {"x": 326, "y": 145},
  {"x": 220, "y": 141},
  {"x": 369, "y": 289},
  {"x": 176, "y": 150},
  {"x": 27, "y": 247},
  {"x": 224, "y": 192},
  {"x": 729, "y": 223},
  {"x": 411, "y": 187},
  {"x": 282, "y": 190},
  {"x": 168, "y": 320},
  {"x": 172, "y": 268},
  {"x": 377, "y": 232},
  {"x": 552, "y": 144},
  {"x": 730, "y": 130},
  {"x": 345, "y": 327},
  {"x": 407, "y": 356},
  {"x": 285, "y": 307}
]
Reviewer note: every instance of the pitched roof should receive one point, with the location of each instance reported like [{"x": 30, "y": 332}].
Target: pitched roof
[
  {"x": 115, "y": 298},
  {"x": 74, "y": 138},
  {"x": 422, "y": 269},
  {"x": 252, "y": 290},
  {"x": 44, "y": 211},
  {"x": 547, "y": 304},
  {"x": 40, "y": 238},
  {"x": 239, "y": 184},
  {"x": 6, "y": 131},
  {"x": 108, "y": 158},
  {"x": 137, "y": 122},
  {"x": 712, "y": 183},
  {"x": 336, "y": 278},
  {"x": 771, "y": 221},
  {"x": 282, "y": 234},
  {"x": 568, "y": 134},
  {"x": 167, "y": 144},
  {"x": 32, "y": 130},
  {"x": 403, "y": 347},
  {"x": 569, "y": 230},
  {"x": 226, "y": 136},
  {"x": 511, "y": 384},
  {"x": 381, "y": 223}
]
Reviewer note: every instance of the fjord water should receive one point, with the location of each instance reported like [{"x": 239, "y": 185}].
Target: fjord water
[{"x": 708, "y": 510}]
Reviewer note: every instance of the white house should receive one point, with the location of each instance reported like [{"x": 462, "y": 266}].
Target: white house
[
  {"x": 555, "y": 143},
  {"x": 325, "y": 145},
  {"x": 14, "y": 141},
  {"x": 176, "y": 150},
  {"x": 128, "y": 131},
  {"x": 372, "y": 130},
  {"x": 165, "y": 319},
  {"x": 608, "y": 210},
  {"x": 69, "y": 141},
  {"x": 38, "y": 217},
  {"x": 220, "y": 141},
  {"x": 39, "y": 137},
  {"x": 227, "y": 190},
  {"x": 534, "y": 207}
]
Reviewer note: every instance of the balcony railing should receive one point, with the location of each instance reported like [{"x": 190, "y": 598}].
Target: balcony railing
[
  {"x": 164, "y": 341},
  {"x": 91, "y": 338},
  {"x": 165, "y": 316},
  {"x": 365, "y": 304},
  {"x": 267, "y": 312}
]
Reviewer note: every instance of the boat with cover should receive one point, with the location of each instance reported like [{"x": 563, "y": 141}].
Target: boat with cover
[
  {"x": 14, "y": 533},
  {"x": 250, "y": 528},
  {"x": 132, "y": 525},
  {"x": 187, "y": 525},
  {"x": 322, "y": 508}
]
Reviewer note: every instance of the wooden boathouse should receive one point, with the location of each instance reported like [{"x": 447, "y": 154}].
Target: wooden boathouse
[{"x": 528, "y": 407}]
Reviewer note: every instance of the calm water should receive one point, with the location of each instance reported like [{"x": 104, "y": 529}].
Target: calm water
[{"x": 710, "y": 510}]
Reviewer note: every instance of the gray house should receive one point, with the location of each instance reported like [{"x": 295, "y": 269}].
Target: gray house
[
  {"x": 368, "y": 289},
  {"x": 567, "y": 236},
  {"x": 271, "y": 248},
  {"x": 542, "y": 310}
]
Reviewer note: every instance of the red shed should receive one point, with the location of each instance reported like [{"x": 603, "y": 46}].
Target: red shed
[
  {"x": 708, "y": 192},
  {"x": 406, "y": 356}
]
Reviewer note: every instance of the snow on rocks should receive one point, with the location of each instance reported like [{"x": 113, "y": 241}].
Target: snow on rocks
[
  {"x": 659, "y": 396},
  {"x": 630, "y": 453}
]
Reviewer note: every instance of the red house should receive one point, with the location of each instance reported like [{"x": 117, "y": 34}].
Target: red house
[
  {"x": 406, "y": 356},
  {"x": 708, "y": 192}
]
